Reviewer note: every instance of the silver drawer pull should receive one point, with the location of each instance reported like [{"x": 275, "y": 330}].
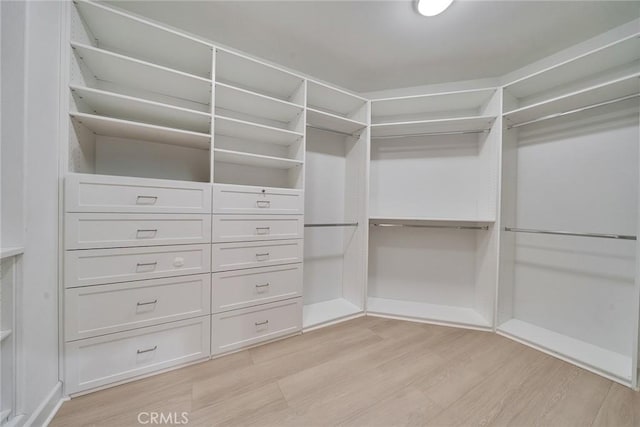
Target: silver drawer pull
[
  {"x": 147, "y": 264},
  {"x": 263, "y": 230},
  {"x": 264, "y": 256},
  {"x": 147, "y": 303},
  {"x": 152, "y": 231},
  {"x": 146, "y": 200},
  {"x": 155, "y": 347},
  {"x": 263, "y": 203},
  {"x": 263, "y": 286},
  {"x": 266, "y": 322}
]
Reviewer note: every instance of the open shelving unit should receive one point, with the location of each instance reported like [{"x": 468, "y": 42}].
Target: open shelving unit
[{"x": 242, "y": 158}]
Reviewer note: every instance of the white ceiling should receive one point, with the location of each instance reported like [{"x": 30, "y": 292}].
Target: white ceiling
[{"x": 375, "y": 45}]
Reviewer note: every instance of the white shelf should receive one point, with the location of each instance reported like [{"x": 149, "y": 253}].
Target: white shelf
[
  {"x": 145, "y": 40},
  {"x": 249, "y": 131},
  {"x": 126, "y": 129},
  {"x": 587, "y": 355},
  {"x": 239, "y": 70},
  {"x": 127, "y": 71},
  {"x": 592, "y": 63},
  {"x": 126, "y": 107},
  {"x": 589, "y": 96},
  {"x": 9, "y": 252},
  {"x": 249, "y": 159},
  {"x": 453, "y": 125},
  {"x": 326, "y": 98},
  {"x": 439, "y": 314},
  {"x": 469, "y": 100},
  {"x": 333, "y": 122},
  {"x": 405, "y": 219},
  {"x": 5, "y": 334},
  {"x": 328, "y": 311},
  {"x": 254, "y": 104}
]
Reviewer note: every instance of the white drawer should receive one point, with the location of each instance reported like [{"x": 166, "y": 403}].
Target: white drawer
[
  {"x": 234, "y": 199},
  {"x": 240, "y": 328},
  {"x": 100, "y": 193},
  {"x": 96, "y": 362},
  {"x": 101, "y": 266},
  {"x": 231, "y": 290},
  {"x": 234, "y": 256},
  {"x": 96, "y": 230},
  {"x": 104, "y": 309},
  {"x": 243, "y": 228}
]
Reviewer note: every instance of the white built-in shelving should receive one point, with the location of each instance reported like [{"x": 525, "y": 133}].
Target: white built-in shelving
[
  {"x": 244, "y": 130},
  {"x": 436, "y": 126},
  {"x": 333, "y": 122},
  {"x": 249, "y": 159}
]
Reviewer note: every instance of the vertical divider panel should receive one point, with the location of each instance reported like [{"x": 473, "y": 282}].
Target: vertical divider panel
[
  {"x": 635, "y": 357},
  {"x": 212, "y": 110}
]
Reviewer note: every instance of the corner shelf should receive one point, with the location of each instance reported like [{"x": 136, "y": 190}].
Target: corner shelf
[
  {"x": 432, "y": 313},
  {"x": 450, "y": 125},
  {"x": 326, "y": 98},
  {"x": 132, "y": 130},
  {"x": 9, "y": 252},
  {"x": 254, "y": 104},
  {"x": 243, "y": 129},
  {"x": 249, "y": 159},
  {"x": 127, "y": 71},
  {"x": 122, "y": 106},
  {"x": 324, "y": 312},
  {"x": 404, "y": 219},
  {"x": 333, "y": 122}
]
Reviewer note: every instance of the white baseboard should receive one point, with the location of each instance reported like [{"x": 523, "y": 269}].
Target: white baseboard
[{"x": 45, "y": 412}]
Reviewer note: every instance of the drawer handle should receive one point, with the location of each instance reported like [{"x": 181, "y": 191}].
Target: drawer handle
[
  {"x": 154, "y": 348},
  {"x": 263, "y": 230},
  {"x": 266, "y": 322},
  {"x": 147, "y": 303},
  {"x": 263, "y": 286},
  {"x": 264, "y": 256},
  {"x": 147, "y": 264},
  {"x": 153, "y": 232},
  {"x": 263, "y": 203},
  {"x": 146, "y": 200}
]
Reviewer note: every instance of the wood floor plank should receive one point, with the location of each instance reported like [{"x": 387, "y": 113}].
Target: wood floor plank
[{"x": 620, "y": 408}]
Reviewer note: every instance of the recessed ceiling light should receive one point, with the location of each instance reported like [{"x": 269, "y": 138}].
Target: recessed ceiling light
[{"x": 433, "y": 7}]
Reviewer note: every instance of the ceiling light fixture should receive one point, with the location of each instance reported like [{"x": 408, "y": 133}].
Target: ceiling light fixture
[{"x": 432, "y": 7}]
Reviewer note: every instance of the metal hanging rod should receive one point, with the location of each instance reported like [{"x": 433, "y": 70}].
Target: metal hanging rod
[
  {"x": 577, "y": 110},
  {"x": 460, "y": 132},
  {"x": 339, "y": 224},
  {"x": 354, "y": 135},
  {"x": 455, "y": 227},
  {"x": 568, "y": 233}
]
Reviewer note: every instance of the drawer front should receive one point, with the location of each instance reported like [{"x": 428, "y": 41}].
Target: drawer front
[
  {"x": 104, "y": 309},
  {"x": 245, "y": 228},
  {"x": 231, "y": 290},
  {"x": 102, "y": 266},
  {"x": 233, "y": 199},
  {"x": 95, "y": 230},
  {"x": 96, "y": 362},
  {"x": 240, "y": 328},
  {"x": 234, "y": 256},
  {"x": 97, "y": 193}
]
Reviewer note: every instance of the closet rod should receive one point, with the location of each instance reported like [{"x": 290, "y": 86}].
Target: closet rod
[
  {"x": 455, "y": 227},
  {"x": 568, "y": 233},
  {"x": 354, "y": 135},
  {"x": 410, "y": 135},
  {"x": 339, "y": 224},
  {"x": 577, "y": 110}
]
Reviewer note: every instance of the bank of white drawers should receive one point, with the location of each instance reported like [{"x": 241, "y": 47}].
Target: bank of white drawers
[
  {"x": 137, "y": 276},
  {"x": 235, "y": 199},
  {"x": 243, "y": 228}
]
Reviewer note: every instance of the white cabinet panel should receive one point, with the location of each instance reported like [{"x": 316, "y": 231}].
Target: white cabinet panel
[
  {"x": 234, "y": 256},
  {"x": 94, "y": 230},
  {"x": 98, "y": 310},
  {"x": 241, "y": 328},
  {"x": 244, "y": 228},
  {"x": 101, "y": 266},
  {"x": 235, "y": 199},
  {"x": 244, "y": 288},
  {"x": 95, "y": 362},
  {"x": 98, "y": 193}
]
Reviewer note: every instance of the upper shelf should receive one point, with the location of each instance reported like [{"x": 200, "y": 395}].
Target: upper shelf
[
  {"x": 241, "y": 71},
  {"x": 595, "y": 62},
  {"x": 119, "y": 32},
  {"x": 132, "y": 130},
  {"x": 455, "y": 222},
  {"x": 594, "y": 95},
  {"x": 250, "y": 159},
  {"x": 433, "y": 106},
  {"x": 240, "y": 100},
  {"x": 338, "y": 102},
  {"x": 123, "y": 70},
  {"x": 332, "y": 122},
  {"x": 435, "y": 127},
  {"x": 249, "y": 131},
  {"x": 126, "y": 107}
]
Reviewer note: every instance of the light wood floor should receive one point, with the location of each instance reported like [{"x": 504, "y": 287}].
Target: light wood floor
[{"x": 371, "y": 372}]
